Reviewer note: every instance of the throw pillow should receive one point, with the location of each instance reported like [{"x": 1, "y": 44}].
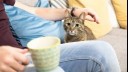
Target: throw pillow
[
  {"x": 100, "y": 6},
  {"x": 120, "y": 7}
]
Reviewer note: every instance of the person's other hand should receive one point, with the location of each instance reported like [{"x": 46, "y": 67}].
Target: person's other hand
[
  {"x": 12, "y": 59},
  {"x": 91, "y": 15}
]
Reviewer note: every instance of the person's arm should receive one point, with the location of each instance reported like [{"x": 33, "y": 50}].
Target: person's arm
[
  {"x": 12, "y": 59},
  {"x": 59, "y": 14},
  {"x": 45, "y": 13},
  {"x": 51, "y": 13},
  {"x": 56, "y": 14}
]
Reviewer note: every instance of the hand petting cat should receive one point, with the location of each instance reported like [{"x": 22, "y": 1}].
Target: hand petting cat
[
  {"x": 55, "y": 14},
  {"x": 91, "y": 15}
]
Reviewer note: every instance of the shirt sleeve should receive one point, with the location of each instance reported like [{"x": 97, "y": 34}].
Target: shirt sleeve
[{"x": 9, "y": 2}]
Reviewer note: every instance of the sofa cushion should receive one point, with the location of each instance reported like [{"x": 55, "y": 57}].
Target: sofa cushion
[
  {"x": 112, "y": 15},
  {"x": 105, "y": 26},
  {"x": 120, "y": 7}
]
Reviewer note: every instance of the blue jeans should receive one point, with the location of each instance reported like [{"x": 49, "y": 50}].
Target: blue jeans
[{"x": 87, "y": 56}]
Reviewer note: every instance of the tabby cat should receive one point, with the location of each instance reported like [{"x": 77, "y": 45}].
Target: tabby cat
[{"x": 76, "y": 29}]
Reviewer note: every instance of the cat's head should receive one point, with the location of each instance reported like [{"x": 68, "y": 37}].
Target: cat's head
[{"x": 74, "y": 25}]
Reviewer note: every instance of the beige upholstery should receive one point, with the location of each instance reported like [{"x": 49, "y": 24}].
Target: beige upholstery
[{"x": 118, "y": 39}]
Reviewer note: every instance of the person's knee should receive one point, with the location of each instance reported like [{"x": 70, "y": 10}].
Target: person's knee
[
  {"x": 106, "y": 55},
  {"x": 87, "y": 48},
  {"x": 98, "y": 51}
]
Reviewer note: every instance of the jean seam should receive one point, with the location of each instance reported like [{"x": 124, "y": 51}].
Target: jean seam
[{"x": 102, "y": 68}]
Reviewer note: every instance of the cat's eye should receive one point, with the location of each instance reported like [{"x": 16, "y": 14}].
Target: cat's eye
[
  {"x": 68, "y": 24},
  {"x": 77, "y": 25}
]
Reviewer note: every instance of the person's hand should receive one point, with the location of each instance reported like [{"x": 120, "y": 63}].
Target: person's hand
[
  {"x": 91, "y": 15},
  {"x": 12, "y": 59}
]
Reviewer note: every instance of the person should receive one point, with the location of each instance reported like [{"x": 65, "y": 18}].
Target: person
[
  {"x": 84, "y": 56},
  {"x": 6, "y": 37},
  {"x": 9, "y": 55},
  {"x": 46, "y": 21}
]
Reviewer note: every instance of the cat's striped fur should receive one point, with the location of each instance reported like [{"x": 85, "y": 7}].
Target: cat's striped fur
[{"x": 76, "y": 29}]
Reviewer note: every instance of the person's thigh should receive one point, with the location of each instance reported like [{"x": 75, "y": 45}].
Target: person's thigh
[{"x": 88, "y": 56}]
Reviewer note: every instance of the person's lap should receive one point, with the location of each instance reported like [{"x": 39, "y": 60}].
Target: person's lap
[{"x": 89, "y": 56}]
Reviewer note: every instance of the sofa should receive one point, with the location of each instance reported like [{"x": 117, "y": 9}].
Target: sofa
[{"x": 116, "y": 35}]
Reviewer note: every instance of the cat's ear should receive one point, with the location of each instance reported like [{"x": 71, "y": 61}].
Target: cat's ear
[
  {"x": 67, "y": 13},
  {"x": 83, "y": 15}
]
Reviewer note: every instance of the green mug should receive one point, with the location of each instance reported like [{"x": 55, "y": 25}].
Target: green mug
[{"x": 45, "y": 53}]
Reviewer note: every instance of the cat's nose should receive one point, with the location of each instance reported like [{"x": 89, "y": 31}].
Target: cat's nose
[{"x": 72, "y": 32}]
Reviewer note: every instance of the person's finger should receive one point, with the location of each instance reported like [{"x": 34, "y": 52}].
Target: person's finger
[
  {"x": 24, "y": 51},
  {"x": 96, "y": 19},
  {"x": 16, "y": 65},
  {"x": 94, "y": 16},
  {"x": 5, "y": 68},
  {"x": 21, "y": 50},
  {"x": 21, "y": 58},
  {"x": 89, "y": 18}
]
